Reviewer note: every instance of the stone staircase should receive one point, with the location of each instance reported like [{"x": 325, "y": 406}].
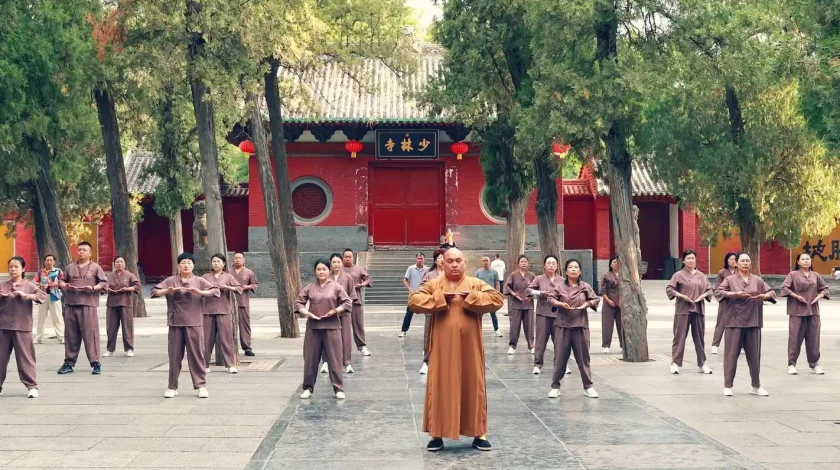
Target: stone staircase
[{"x": 387, "y": 269}]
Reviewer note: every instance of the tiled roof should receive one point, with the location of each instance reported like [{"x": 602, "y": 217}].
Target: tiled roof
[
  {"x": 137, "y": 164},
  {"x": 642, "y": 181},
  {"x": 576, "y": 187},
  {"x": 381, "y": 95}
]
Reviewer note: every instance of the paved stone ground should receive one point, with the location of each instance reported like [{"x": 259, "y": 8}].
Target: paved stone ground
[{"x": 645, "y": 417}]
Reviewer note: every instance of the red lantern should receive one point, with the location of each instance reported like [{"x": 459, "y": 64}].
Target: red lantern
[
  {"x": 246, "y": 146},
  {"x": 560, "y": 149},
  {"x": 459, "y": 149},
  {"x": 353, "y": 146}
]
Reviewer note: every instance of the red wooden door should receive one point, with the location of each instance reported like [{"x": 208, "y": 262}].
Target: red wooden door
[
  {"x": 654, "y": 235},
  {"x": 406, "y": 205}
]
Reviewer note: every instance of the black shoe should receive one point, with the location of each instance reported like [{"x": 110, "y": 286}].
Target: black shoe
[
  {"x": 97, "y": 368},
  {"x": 481, "y": 444},
  {"x": 435, "y": 445},
  {"x": 65, "y": 369},
  {"x": 249, "y": 352}
]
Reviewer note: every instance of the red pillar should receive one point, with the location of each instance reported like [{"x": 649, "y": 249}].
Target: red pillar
[{"x": 603, "y": 229}]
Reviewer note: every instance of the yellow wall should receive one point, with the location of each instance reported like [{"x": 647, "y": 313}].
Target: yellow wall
[
  {"x": 91, "y": 238},
  {"x": 830, "y": 250},
  {"x": 721, "y": 248},
  {"x": 7, "y": 248}
]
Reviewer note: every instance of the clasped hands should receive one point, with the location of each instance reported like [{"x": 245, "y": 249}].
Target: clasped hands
[
  {"x": 17, "y": 293},
  {"x": 747, "y": 295},
  {"x": 688, "y": 299},
  {"x": 802, "y": 299},
  {"x": 307, "y": 314}
]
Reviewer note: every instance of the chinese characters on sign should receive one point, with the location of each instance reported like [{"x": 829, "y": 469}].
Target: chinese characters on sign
[
  {"x": 406, "y": 144},
  {"x": 817, "y": 250}
]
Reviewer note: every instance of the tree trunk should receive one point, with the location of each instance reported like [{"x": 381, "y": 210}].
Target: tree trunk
[
  {"x": 515, "y": 231},
  {"x": 48, "y": 203},
  {"x": 546, "y": 207},
  {"x": 176, "y": 239},
  {"x": 288, "y": 320},
  {"x": 120, "y": 205},
  {"x": 43, "y": 242},
  {"x": 205, "y": 125},
  {"x": 281, "y": 169},
  {"x": 625, "y": 228},
  {"x": 751, "y": 243}
]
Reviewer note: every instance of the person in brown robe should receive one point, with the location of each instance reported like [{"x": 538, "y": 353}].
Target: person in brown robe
[
  {"x": 218, "y": 314},
  {"x": 248, "y": 280},
  {"x": 520, "y": 305},
  {"x": 691, "y": 288},
  {"x": 361, "y": 279},
  {"x": 572, "y": 298},
  {"x": 321, "y": 302},
  {"x": 184, "y": 293},
  {"x": 84, "y": 281},
  {"x": 745, "y": 293},
  {"x": 346, "y": 282},
  {"x": 434, "y": 273},
  {"x": 123, "y": 285},
  {"x": 611, "y": 308},
  {"x": 729, "y": 268},
  {"x": 804, "y": 288},
  {"x": 16, "y": 297},
  {"x": 541, "y": 287},
  {"x": 456, "y": 398}
]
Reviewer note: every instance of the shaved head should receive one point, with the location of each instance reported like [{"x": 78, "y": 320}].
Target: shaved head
[{"x": 454, "y": 264}]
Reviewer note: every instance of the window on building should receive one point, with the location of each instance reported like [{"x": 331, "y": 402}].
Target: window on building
[
  {"x": 498, "y": 218},
  {"x": 311, "y": 200}
]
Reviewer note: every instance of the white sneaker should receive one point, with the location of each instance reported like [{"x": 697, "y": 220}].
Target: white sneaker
[
  {"x": 425, "y": 369},
  {"x": 714, "y": 350},
  {"x": 704, "y": 369},
  {"x": 170, "y": 393},
  {"x": 107, "y": 354},
  {"x": 129, "y": 353},
  {"x": 340, "y": 396},
  {"x": 349, "y": 369},
  {"x": 232, "y": 370},
  {"x": 554, "y": 393},
  {"x": 325, "y": 368},
  {"x": 675, "y": 369},
  {"x": 401, "y": 335},
  {"x": 203, "y": 393},
  {"x": 792, "y": 370},
  {"x": 759, "y": 391},
  {"x": 537, "y": 371},
  {"x": 817, "y": 370},
  {"x": 33, "y": 393},
  {"x": 498, "y": 333},
  {"x": 568, "y": 370},
  {"x": 365, "y": 351},
  {"x": 606, "y": 350},
  {"x": 511, "y": 351},
  {"x": 306, "y": 394},
  {"x": 591, "y": 393},
  {"x": 531, "y": 351},
  {"x": 208, "y": 370},
  {"x": 727, "y": 392}
]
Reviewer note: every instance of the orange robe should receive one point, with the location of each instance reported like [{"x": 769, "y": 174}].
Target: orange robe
[{"x": 456, "y": 400}]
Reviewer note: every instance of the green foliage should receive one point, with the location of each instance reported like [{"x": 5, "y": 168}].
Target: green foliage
[{"x": 821, "y": 94}]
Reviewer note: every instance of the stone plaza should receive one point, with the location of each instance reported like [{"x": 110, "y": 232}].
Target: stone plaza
[{"x": 644, "y": 418}]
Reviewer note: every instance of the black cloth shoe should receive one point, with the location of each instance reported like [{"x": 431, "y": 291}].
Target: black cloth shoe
[
  {"x": 435, "y": 445},
  {"x": 65, "y": 369},
  {"x": 97, "y": 368},
  {"x": 481, "y": 444},
  {"x": 249, "y": 352}
]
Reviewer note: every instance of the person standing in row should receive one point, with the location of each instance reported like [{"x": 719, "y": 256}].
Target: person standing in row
[
  {"x": 123, "y": 285},
  {"x": 691, "y": 288},
  {"x": 326, "y": 300},
  {"x": 217, "y": 320},
  {"x": 729, "y": 268},
  {"x": 184, "y": 294},
  {"x": 541, "y": 287},
  {"x": 499, "y": 266},
  {"x": 804, "y": 288},
  {"x": 48, "y": 278},
  {"x": 16, "y": 297},
  {"x": 412, "y": 279},
  {"x": 492, "y": 278},
  {"x": 343, "y": 279},
  {"x": 456, "y": 397},
  {"x": 611, "y": 309},
  {"x": 361, "y": 279},
  {"x": 520, "y": 305},
  {"x": 745, "y": 293},
  {"x": 84, "y": 283},
  {"x": 572, "y": 297},
  {"x": 248, "y": 280},
  {"x": 433, "y": 273}
]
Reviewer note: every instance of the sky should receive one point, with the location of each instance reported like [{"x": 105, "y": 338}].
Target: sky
[{"x": 426, "y": 11}]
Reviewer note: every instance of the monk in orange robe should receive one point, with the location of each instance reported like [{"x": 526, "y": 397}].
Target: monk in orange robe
[{"x": 456, "y": 401}]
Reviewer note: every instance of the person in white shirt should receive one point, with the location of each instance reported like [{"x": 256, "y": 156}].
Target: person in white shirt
[{"x": 499, "y": 266}]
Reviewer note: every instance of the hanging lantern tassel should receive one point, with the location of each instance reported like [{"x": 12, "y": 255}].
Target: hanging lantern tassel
[
  {"x": 459, "y": 149},
  {"x": 246, "y": 146},
  {"x": 560, "y": 149},
  {"x": 353, "y": 146}
]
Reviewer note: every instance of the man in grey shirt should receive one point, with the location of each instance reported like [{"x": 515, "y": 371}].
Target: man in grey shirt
[
  {"x": 491, "y": 277},
  {"x": 412, "y": 280}
]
